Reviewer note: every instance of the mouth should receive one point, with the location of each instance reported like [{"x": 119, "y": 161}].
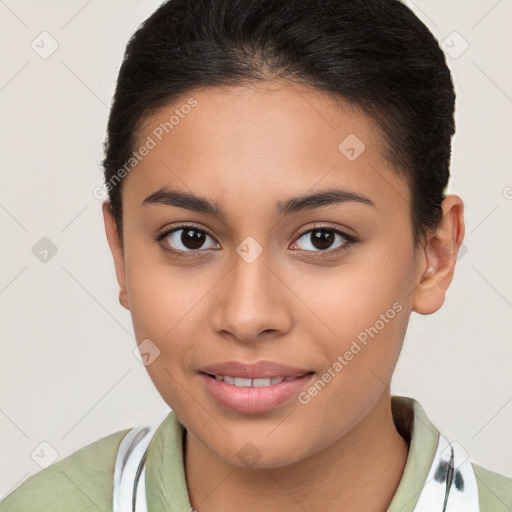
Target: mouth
[
  {"x": 257, "y": 394},
  {"x": 244, "y": 382}
]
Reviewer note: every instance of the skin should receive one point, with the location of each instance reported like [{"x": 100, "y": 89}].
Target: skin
[{"x": 247, "y": 148}]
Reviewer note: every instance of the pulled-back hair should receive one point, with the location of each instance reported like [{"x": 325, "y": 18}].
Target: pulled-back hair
[{"x": 374, "y": 54}]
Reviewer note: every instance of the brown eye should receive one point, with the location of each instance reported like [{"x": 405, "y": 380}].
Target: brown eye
[
  {"x": 322, "y": 239},
  {"x": 187, "y": 239}
]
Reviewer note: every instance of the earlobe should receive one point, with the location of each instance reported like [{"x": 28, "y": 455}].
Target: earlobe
[
  {"x": 439, "y": 258},
  {"x": 117, "y": 252}
]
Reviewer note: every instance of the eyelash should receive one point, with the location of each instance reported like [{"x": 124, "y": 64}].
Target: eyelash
[{"x": 349, "y": 240}]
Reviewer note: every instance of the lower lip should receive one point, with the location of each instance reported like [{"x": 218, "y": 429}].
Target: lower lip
[{"x": 253, "y": 400}]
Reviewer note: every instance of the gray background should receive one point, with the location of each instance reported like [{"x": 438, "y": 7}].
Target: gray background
[{"x": 68, "y": 372}]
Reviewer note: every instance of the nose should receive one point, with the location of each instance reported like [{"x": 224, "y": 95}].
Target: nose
[{"x": 252, "y": 302}]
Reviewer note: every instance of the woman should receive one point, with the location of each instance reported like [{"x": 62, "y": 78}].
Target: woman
[{"x": 276, "y": 175}]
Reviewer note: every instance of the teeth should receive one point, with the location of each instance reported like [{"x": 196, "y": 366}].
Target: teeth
[
  {"x": 243, "y": 383},
  {"x": 261, "y": 382},
  {"x": 246, "y": 383}
]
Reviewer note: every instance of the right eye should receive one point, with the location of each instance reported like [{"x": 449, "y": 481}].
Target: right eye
[{"x": 184, "y": 239}]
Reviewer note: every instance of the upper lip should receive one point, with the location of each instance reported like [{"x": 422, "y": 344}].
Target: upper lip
[{"x": 262, "y": 369}]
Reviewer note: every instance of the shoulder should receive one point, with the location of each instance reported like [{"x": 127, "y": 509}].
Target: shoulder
[
  {"x": 495, "y": 490},
  {"x": 81, "y": 481}
]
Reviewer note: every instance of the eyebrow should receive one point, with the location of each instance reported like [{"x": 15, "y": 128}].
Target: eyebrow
[{"x": 168, "y": 197}]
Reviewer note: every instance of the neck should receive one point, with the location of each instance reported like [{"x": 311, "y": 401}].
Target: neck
[{"x": 360, "y": 471}]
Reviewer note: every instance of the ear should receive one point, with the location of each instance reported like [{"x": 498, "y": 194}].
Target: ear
[
  {"x": 438, "y": 258},
  {"x": 117, "y": 252}
]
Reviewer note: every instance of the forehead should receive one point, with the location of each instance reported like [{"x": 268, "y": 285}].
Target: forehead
[{"x": 259, "y": 141}]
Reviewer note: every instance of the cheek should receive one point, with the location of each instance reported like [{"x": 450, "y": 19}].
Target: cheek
[
  {"x": 360, "y": 310},
  {"x": 352, "y": 296},
  {"x": 169, "y": 306},
  {"x": 162, "y": 311},
  {"x": 154, "y": 299}
]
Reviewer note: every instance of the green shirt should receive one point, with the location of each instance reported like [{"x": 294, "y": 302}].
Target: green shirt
[{"x": 83, "y": 481}]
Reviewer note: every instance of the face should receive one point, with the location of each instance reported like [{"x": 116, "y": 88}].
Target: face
[{"x": 324, "y": 288}]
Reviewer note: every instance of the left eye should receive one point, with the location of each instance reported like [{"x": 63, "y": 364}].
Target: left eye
[{"x": 323, "y": 238}]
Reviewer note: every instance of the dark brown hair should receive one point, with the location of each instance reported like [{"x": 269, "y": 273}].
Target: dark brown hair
[{"x": 374, "y": 54}]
